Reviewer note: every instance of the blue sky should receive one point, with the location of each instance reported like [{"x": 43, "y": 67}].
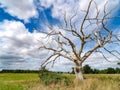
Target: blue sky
[{"x": 20, "y": 21}]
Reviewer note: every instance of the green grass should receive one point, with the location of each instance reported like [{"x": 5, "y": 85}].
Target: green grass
[
  {"x": 30, "y": 81},
  {"x": 10, "y": 81}
]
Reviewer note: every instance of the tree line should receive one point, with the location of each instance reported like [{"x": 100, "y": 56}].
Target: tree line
[
  {"x": 19, "y": 71},
  {"x": 86, "y": 70}
]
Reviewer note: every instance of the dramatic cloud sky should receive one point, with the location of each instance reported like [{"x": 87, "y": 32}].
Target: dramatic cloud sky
[{"x": 21, "y": 21}]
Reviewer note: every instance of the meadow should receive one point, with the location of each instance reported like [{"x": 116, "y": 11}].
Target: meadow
[{"x": 31, "y": 81}]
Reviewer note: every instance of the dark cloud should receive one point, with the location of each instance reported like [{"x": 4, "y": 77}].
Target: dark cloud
[
  {"x": 32, "y": 64},
  {"x": 10, "y": 57}
]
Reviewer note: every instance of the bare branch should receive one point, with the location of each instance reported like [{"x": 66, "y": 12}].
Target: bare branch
[
  {"x": 46, "y": 60},
  {"x": 104, "y": 56},
  {"x": 112, "y": 53},
  {"x": 65, "y": 20},
  {"x": 115, "y": 52},
  {"x": 81, "y": 47},
  {"x": 55, "y": 60},
  {"x": 87, "y": 54},
  {"x": 71, "y": 44},
  {"x": 81, "y": 29},
  {"x": 71, "y": 25}
]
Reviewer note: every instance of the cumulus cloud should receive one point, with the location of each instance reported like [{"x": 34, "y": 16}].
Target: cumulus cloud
[
  {"x": 22, "y": 9},
  {"x": 20, "y": 48},
  {"x": 59, "y": 7},
  {"x": 17, "y": 40},
  {"x": 70, "y": 7}
]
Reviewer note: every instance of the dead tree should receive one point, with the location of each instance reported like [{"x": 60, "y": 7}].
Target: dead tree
[{"x": 70, "y": 41}]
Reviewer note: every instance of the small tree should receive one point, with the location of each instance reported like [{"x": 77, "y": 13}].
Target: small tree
[
  {"x": 110, "y": 71},
  {"x": 87, "y": 69},
  {"x": 118, "y": 63},
  {"x": 70, "y": 41},
  {"x": 117, "y": 70}
]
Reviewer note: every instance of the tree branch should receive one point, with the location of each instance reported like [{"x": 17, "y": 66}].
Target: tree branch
[{"x": 87, "y": 12}]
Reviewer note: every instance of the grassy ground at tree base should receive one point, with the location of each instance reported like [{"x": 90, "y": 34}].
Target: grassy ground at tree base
[{"x": 11, "y": 81}]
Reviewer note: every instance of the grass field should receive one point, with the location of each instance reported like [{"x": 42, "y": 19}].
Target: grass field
[{"x": 10, "y": 81}]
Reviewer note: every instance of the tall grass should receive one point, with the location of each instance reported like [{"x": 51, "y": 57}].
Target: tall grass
[
  {"x": 32, "y": 82},
  {"x": 92, "y": 82}
]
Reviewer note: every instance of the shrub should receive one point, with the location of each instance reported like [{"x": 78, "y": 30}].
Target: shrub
[
  {"x": 110, "y": 71},
  {"x": 48, "y": 77},
  {"x": 87, "y": 69}
]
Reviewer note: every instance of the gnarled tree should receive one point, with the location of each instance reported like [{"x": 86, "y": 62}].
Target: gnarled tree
[{"x": 71, "y": 39}]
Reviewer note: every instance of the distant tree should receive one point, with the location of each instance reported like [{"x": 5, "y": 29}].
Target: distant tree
[
  {"x": 110, "y": 71},
  {"x": 96, "y": 71},
  {"x": 87, "y": 69},
  {"x": 65, "y": 46},
  {"x": 117, "y": 70},
  {"x": 118, "y": 63},
  {"x": 73, "y": 70}
]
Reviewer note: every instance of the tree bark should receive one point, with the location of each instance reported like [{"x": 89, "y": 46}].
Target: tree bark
[{"x": 78, "y": 72}]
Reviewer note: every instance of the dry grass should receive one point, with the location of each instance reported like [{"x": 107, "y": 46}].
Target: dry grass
[
  {"x": 32, "y": 82},
  {"x": 98, "y": 82}
]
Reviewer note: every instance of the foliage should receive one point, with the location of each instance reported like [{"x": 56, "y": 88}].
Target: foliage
[
  {"x": 118, "y": 63},
  {"x": 117, "y": 70},
  {"x": 110, "y": 70},
  {"x": 49, "y": 77},
  {"x": 18, "y": 71},
  {"x": 88, "y": 70}
]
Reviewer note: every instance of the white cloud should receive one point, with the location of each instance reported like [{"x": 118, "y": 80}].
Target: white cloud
[
  {"x": 97, "y": 61},
  {"x": 59, "y": 7},
  {"x": 18, "y": 41},
  {"x": 20, "y": 48},
  {"x": 22, "y": 9}
]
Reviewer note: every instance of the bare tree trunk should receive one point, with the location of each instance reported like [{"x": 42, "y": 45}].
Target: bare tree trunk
[{"x": 78, "y": 72}]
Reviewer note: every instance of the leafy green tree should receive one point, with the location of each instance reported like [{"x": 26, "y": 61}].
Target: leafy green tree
[
  {"x": 117, "y": 70},
  {"x": 87, "y": 69},
  {"x": 118, "y": 63},
  {"x": 96, "y": 71},
  {"x": 110, "y": 71}
]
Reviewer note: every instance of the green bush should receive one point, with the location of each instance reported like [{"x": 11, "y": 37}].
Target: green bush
[
  {"x": 48, "y": 77},
  {"x": 87, "y": 69}
]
